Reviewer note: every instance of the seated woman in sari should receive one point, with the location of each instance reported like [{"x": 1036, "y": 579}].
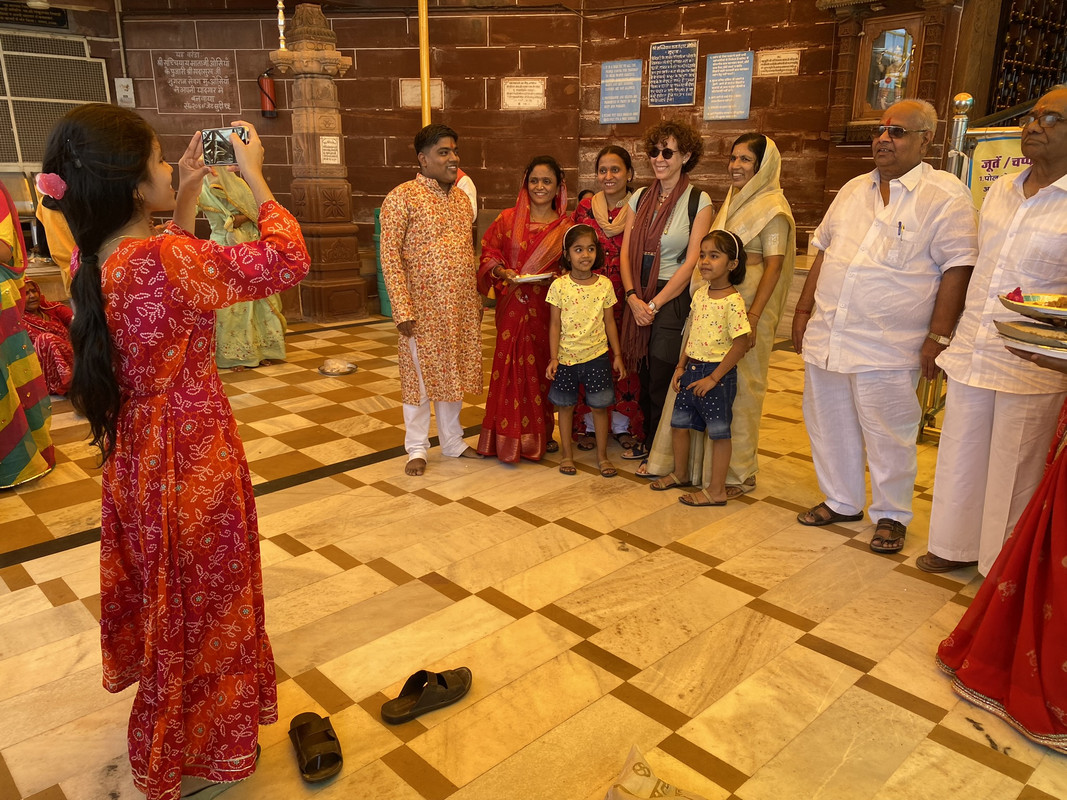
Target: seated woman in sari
[
  {"x": 25, "y": 410},
  {"x": 756, "y": 210},
  {"x": 520, "y": 258},
  {"x": 1009, "y": 652},
  {"x": 48, "y": 325},
  {"x": 252, "y": 333}
]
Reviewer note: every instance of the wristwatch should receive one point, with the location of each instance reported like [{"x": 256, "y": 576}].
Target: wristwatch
[
  {"x": 944, "y": 341},
  {"x": 652, "y": 306},
  {"x": 630, "y": 293}
]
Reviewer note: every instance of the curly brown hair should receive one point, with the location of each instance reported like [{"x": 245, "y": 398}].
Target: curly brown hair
[{"x": 687, "y": 137}]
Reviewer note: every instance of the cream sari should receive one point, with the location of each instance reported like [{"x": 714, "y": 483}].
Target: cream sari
[{"x": 746, "y": 212}]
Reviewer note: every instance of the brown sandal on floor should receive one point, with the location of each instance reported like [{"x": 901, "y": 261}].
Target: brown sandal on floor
[
  {"x": 607, "y": 470},
  {"x": 735, "y": 490},
  {"x": 659, "y": 486},
  {"x": 566, "y": 467},
  {"x": 888, "y": 536},
  {"x": 687, "y": 499},
  {"x": 832, "y": 516},
  {"x": 585, "y": 442}
]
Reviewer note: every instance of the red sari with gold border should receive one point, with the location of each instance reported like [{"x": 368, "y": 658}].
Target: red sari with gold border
[
  {"x": 518, "y": 417},
  {"x": 1009, "y": 652}
]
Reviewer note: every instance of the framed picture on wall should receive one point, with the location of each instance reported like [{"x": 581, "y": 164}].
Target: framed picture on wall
[{"x": 888, "y": 65}]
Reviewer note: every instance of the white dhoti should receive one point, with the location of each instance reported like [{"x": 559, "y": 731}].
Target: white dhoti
[
  {"x": 417, "y": 420},
  {"x": 847, "y": 414},
  {"x": 989, "y": 462}
]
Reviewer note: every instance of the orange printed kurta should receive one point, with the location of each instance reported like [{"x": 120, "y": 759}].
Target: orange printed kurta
[
  {"x": 180, "y": 579},
  {"x": 431, "y": 275}
]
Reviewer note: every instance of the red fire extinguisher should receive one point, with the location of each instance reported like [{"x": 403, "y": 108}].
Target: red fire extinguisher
[{"x": 268, "y": 106}]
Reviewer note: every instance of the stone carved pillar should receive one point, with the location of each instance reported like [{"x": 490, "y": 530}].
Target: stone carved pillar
[{"x": 322, "y": 196}]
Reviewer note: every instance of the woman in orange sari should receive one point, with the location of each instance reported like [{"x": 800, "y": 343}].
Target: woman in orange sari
[
  {"x": 48, "y": 325},
  {"x": 181, "y": 589},
  {"x": 520, "y": 258}
]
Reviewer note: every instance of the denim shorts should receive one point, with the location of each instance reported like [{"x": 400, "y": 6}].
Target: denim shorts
[
  {"x": 594, "y": 375},
  {"x": 714, "y": 411}
]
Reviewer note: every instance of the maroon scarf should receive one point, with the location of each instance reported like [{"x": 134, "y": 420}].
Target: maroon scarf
[{"x": 649, "y": 223}]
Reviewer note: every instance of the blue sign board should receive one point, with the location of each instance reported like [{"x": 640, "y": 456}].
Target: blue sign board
[
  {"x": 620, "y": 91},
  {"x": 672, "y": 74},
  {"x": 728, "y": 85}
]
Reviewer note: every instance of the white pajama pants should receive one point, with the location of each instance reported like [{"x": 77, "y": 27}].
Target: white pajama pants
[
  {"x": 417, "y": 420},
  {"x": 989, "y": 462},
  {"x": 847, "y": 414}
]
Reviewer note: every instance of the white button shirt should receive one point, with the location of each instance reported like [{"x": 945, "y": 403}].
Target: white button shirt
[
  {"x": 882, "y": 267},
  {"x": 1023, "y": 242}
]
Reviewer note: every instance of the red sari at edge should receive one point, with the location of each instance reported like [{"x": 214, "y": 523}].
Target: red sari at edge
[
  {"x": 518, "y": 417},
  {"x": 1008, "y": 655}
]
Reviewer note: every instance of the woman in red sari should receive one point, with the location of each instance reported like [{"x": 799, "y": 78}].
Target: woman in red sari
[
  {"x": 520, "y": 258},
  {"x": 180, "y": 582},
  {"x": 1008, "y": 655},
  {"x": 48, "y": 325},
  {"x": 608, "y": 213}
]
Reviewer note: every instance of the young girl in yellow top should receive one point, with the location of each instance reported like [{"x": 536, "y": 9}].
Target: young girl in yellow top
[
  {"x": 706, "y": 378},
  {"x": 579, "y": 332}
]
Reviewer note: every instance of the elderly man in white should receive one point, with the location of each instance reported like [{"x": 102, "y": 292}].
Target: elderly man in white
[
  {"x": 1000, "y": 413},
  {"x": 896, "y": 249}
]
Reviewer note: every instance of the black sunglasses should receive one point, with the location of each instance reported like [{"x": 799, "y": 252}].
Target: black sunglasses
[
  {"x": 895, "y": 131},
  {"x": 668, "y": 154}
]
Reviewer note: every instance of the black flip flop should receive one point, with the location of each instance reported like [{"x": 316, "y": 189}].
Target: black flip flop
[
  {"x": 427, "y": 691},
  {"x": 318, "y": 752}
]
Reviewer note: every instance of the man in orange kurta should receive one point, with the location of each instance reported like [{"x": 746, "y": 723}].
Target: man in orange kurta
[{"x": 430, "y": 273}]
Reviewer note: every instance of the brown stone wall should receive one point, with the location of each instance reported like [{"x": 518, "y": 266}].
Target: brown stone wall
[{"x": 792, "y": 110}]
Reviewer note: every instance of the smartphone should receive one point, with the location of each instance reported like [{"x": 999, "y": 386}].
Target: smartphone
[{"x": 218, "y": 149}]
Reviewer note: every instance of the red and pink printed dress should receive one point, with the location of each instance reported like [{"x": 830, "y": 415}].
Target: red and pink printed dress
[{"x": 181, "y": 586}]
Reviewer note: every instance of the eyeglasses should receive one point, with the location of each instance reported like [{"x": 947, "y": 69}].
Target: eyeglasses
[
  {"x": 894, "y": 131},
  {"x": 667, "y": 153},
  {"x": 1046, "y": 120}
]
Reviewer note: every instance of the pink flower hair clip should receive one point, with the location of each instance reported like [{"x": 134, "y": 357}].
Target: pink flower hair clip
[{"x": 50, "y": 184}]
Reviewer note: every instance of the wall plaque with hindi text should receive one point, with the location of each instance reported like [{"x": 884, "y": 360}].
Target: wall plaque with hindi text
[{"x": 195, "y": 81}]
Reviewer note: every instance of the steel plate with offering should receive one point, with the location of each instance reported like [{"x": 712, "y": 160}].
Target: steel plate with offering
[{"x": 1051, "y": 308}]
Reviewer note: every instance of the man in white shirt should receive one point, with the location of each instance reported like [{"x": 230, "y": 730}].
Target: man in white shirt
[
  {"x": 896, "y": 249},
  {"x": 1001, "y": 411}
]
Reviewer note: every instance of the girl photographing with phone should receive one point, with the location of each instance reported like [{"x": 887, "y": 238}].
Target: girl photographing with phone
[{"x": 181, "y": 586}]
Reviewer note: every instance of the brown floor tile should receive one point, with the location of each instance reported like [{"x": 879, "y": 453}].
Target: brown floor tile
[
  {"x": 281, "y": 393},
  {"x": 307, "y": 437},
  {"x": 283, "y": 465},
  {"x": 605, "y": 660},
  {"x": 324, "y": 691},
  {"x": 383, "y": 439},
  {"x": 981, "y": 753},
  {"x": 507, "y": 604},
  {"x": 51, "y": 793},
  {"x": 15, "y": 577},
  {"x": 24, "y": 532},
  {"x": 290, "y": 545},
  {"x": 836, "y": 652},
  {"x": 734, "y": 582},
  {"x": 451, "y": 590},
  {"x": 257, "y": 413},
  {"x": 68, "y": 494},
  {"x": 650, "y": 706},
  {"x": 712, "y": 768},
  {"x": 568, "y": 620},
  {"x": 57, "y": 592},
  {"x": 330, "y": 413},
  {"x": 419, "y": 775},
  {"x": 339, "y": 557},
  {"x": 389, "y": 570},
  {"x": 93, "y": 604},
  {"x": 405, "y": 732},
  {"x": 394, "y": 416},
  {"x": 780, "y": 614}
]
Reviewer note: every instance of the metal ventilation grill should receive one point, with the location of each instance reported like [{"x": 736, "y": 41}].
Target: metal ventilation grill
[
  {"x": 34, "y": 121},
  {"x": 44, "y": 45},
  {"x": 53, "y": 78},
  {"x": 41, "y": 78}
]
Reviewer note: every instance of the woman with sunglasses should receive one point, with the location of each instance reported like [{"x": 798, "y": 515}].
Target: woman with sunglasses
[
  {"x": 520, "y": 258},
  {"x": 756, "y": 210},
  {"x": 659, "y": 251}
]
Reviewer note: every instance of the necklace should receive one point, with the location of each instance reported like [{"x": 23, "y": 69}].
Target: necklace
[{"x": 123, "y": 236}]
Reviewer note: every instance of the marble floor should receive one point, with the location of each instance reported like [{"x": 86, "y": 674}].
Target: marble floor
[{"x": 747, "y": 656}]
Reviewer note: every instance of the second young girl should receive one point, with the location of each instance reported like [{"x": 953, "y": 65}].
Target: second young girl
[
  {"x": 705, "y": 378},
  {"x": 581, "y": 328}
]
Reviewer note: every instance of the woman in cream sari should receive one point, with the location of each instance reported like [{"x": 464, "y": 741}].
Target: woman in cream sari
[{"x": 756, "y": 210}]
